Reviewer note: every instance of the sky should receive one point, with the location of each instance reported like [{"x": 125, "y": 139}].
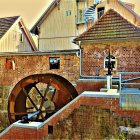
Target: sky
[{"x": 31, "y": 10}]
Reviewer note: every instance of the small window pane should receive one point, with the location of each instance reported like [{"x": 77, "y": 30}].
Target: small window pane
[
  {"x": 112, "y": 60},
  {"x": 54, "y": 63}
]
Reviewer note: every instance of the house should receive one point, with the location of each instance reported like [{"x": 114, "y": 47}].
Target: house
[
  {"x": 60, "y": 23},
  {"x": 125, "y": 9},
  {"x": 63, "y": 20},
  {"x": 14, "y": 36},
  {"x": 112, "y": 31}
]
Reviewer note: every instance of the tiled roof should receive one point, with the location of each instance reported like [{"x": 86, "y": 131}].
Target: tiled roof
[
  {"x": 6, "y": 23},
  {"x": 110, "y": 26}
]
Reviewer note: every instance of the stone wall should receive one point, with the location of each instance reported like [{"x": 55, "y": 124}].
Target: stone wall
[{"x": 126, "y": 53}]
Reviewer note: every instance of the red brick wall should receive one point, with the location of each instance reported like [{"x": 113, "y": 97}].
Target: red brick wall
[
  {"x": 26, "y": 65},
  {"x": 38, "y": 64},
  {"x": 89, "y": 85},
  {"x": 112, "y": 104},
  {"x": 126, "y": 53}
]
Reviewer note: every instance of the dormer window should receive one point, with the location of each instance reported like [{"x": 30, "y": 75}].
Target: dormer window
[
  {"x": 100, "y": 11},
  {"x": 113, "y": 62}
]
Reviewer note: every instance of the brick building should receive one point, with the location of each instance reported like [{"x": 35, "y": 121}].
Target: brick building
[{"x": 114, "y": 32}]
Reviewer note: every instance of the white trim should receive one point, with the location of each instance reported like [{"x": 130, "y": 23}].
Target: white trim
[{"x": 112, "y": 60}]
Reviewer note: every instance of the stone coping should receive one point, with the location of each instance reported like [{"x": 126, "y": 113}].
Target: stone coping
[
  {"x": 100, "y": 94},
  {"x": 28, "y": 125},
  {"x": 73, "y": 51}
]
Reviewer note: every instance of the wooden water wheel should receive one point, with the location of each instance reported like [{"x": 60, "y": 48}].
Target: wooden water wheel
[{"x": 41, "y": 95}]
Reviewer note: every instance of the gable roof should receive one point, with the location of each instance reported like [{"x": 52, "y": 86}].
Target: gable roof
[
  {"x": 110, "y": 26},
  {"x": 6, "y": 23},
  {"x": 44, "y": 15}
]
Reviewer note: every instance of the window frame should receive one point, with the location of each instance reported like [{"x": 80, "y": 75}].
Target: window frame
[
  {"x": 112, "y": 60},
  {"x": 51, "y": 67}
]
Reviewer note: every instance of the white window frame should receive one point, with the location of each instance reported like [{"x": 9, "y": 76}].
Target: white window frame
[{"x": 111, "y": 60}]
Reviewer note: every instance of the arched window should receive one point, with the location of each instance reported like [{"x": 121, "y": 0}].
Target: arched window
[{"x": 113, "y": 62}]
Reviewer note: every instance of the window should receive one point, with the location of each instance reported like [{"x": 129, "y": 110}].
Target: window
[
  {"x": 54, "y": 62},
  {"x": 81, "y": 16},
  {"x": 100, "y": 11},
  {"x": 113, "y": 62},
  {"x": 50, "y": 129},
  {"x": 21, "y": 37},
  {"x": 68, "y": 13}
]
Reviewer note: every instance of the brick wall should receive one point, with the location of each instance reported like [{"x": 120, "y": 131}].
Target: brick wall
[
  {"x": 87, "y": 117},
  {"x": 89, "y": 85},
  {"x": 38, "y": 64},
  {"x": 25, "y": 65},
  {"x": 126, "y": 53}
]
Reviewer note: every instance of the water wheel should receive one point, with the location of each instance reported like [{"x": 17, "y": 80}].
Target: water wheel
[{"x": 40, "y": 94}]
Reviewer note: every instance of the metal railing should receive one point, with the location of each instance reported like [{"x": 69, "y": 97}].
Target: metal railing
[{"x": 128, "y": 81}]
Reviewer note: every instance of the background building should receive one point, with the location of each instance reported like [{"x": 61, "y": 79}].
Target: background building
[{"x": 14, "y": 36}]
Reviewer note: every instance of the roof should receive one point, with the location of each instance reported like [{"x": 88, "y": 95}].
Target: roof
[
  {"x": 129, "y": 9},
  {"x": 44, "y": 15},
  {"x": 6, "y": 23},
  {"x": 110, "y": 26}
]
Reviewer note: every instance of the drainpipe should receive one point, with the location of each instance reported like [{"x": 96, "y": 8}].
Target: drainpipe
[{"x": 80, "y": 61}]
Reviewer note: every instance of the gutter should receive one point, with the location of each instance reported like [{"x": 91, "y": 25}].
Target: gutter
[
  {"x": 39, "y": 53},
  {"x": 111, "y": 39}
]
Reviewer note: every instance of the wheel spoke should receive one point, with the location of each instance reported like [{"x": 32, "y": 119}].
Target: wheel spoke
[
  {"x": 25, "y": 92},
  {"x": 30, "y": 107},
  {"x": 38, "y": 91},
  {"x": 53, "y": 95},
  {"x": 42, "y": 102}
]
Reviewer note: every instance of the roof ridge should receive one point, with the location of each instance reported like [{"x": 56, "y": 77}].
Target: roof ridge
[{"x": 92, "y": 28}]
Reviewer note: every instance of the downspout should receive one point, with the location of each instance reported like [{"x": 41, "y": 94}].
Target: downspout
[{"x": 80, "y": 60}]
